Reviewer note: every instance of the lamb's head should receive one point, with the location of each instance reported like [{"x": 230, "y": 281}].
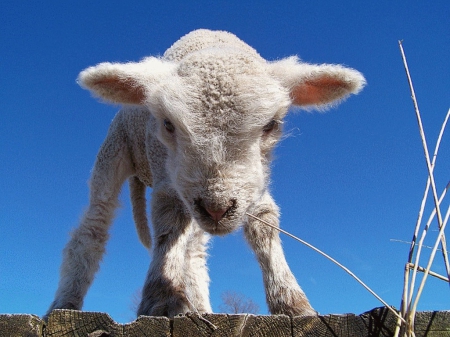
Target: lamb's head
[
  {"x": 220, "y": 133},
  {"x": 219, "y": 113}
]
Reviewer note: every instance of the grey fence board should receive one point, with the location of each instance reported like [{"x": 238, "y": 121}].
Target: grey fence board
[{"x": 67, "y": 323}]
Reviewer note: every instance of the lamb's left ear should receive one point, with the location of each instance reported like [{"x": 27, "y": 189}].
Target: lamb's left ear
[
  {"x": 125, "y": 83},
  {"x": 316, "y": 86}
]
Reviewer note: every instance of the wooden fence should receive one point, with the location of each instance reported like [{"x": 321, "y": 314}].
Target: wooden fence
[{"x": 377, "y": 322}]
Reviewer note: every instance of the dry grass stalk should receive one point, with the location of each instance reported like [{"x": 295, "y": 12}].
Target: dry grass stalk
[
  {"x": 421, "y": 269},
  {"x": 332, "y": 260},
  {"x": 409, "y": 243},
  {"x": 430, "y": 261},
  {"x": 420, "y": 245},
  {"x": 405, "y": 298},
  {"x": 430, "y": 165},
  {"x": 408, "y": 307}
]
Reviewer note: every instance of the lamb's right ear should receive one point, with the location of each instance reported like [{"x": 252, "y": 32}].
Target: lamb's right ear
[{"x": 125, "y": 83}]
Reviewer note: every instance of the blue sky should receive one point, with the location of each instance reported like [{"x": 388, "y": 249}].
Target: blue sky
[{"x": 348, "y": 180}]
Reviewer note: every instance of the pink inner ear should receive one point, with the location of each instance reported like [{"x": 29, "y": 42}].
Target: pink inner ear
[
  {"x": 120, "y": 90},
  {"x": 318, "y": 91}
]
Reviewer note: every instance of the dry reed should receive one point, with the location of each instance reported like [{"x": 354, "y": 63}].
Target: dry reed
[{"x": 410, "y": 302}]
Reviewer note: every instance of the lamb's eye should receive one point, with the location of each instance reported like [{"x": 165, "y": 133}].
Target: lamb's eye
[
  {"x": 169, "y": 126},
  {"x": 269, "y": 127}
]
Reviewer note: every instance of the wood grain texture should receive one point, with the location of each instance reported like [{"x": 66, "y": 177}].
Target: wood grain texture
[
  {"x": 21, "y": 325},
  {"x": 378, "y": 322},
  {"x": 67, "y": 323},
  {"x": 79, "y": 323}
]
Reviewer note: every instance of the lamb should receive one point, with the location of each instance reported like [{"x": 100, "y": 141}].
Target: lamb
[{"x": 198, "y": 126}]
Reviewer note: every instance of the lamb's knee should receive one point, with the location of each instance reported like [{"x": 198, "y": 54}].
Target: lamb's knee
[
  {"x": 85, "y": 248},
  {"x": 169, "y": 217},
  {"x": 257, "y": 232},
  {"x": 88, "y": 240}
]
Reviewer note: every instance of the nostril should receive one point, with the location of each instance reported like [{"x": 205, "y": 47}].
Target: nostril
[
  {"x": 217, "y": 215},
  {"x": 215, "y": 212}
]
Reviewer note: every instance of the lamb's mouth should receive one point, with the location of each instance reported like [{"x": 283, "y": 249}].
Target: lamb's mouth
[{"x": 226, "y": 224}]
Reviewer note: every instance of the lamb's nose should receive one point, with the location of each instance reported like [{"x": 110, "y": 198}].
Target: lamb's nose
[
  {"x": 215, "y": 211},
  {"x": 217, "y": 214}
]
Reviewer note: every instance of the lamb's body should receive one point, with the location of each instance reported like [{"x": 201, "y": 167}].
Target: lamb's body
[{"x": 204, "y": 120}]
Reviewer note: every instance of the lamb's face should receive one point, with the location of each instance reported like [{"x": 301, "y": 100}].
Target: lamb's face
[
  {"x": 218, "y": 107},
  {"x": 219, "y": 126}
]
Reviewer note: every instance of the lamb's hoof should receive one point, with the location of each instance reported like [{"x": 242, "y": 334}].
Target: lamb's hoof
[{"x": 164, "y": 309}]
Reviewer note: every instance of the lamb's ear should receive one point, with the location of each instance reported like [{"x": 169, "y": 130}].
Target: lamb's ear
[
  {"x": 316, "y": 86},
  {"x": 124, "y": 83}
]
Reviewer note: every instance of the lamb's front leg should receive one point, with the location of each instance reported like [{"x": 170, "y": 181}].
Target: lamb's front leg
[
  {"x": 164, "y": 292},
  {"x": 283, "y": 294},
  {"x": 84, "y": 251},
  {"x": 196, "y": 274}
]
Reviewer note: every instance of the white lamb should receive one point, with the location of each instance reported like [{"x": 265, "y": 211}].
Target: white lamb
[{"x": 198, "y": 126}]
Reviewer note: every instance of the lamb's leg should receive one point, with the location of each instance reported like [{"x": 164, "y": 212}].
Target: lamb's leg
[
  {"x": 196, "y": 275},
  {"x": 82, "y": 254},
  {"x": 283, "y": 294},
  {"x": 164, "y": 292}
]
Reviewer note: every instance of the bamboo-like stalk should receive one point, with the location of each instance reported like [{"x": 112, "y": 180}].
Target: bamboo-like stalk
[
  {"x": 419, "y": 249},
  {"x": 444, "y": 245},
  {"x": 408, "y": 242},
  {"x": 433, "y": 163},
  {"x": 406, "y": 301},
  {"x": 430, "y": 261},
  {"x": 425, "y": 149},
  {"x": 411, "y": 313},
  {"x": 421, "y": 269},
  {"x": 332, "y": 260}
]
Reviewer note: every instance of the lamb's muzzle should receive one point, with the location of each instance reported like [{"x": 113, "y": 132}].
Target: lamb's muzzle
[{"x": 215, "y": 211}]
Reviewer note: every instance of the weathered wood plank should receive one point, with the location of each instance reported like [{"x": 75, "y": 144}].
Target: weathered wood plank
[
  {"x": 148, "y": 326},
  {"x": 432, "y": 324},
  {"x": 380, "y": 322},
  {"x": 221, "y": 325},
  {"x": 95, "y": 324},
  {"x": 216, "y": 325},
  {"x": 21, "y": 325},
  {"x": 79, "y": 323},
  {"x": 270, "y": 326},
  {"x": 377, "y": 322},
  {"x": 329, "y": 326}
]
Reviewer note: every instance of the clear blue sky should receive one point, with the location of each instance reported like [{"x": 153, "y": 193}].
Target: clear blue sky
[{"x": 347, "y": 181}]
